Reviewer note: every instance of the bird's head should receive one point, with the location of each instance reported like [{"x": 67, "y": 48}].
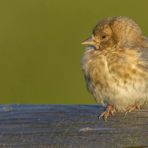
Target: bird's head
[{"x": 114, "y": 31}]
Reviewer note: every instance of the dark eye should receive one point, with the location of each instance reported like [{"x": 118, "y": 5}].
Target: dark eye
[{"x": 104, "y": 36}]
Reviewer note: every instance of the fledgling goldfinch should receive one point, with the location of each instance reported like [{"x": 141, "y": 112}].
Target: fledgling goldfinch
[{"x": 115, "y": 65}]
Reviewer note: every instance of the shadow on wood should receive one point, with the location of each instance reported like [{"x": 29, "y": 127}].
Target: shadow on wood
[{"x": 54, "y": 126}]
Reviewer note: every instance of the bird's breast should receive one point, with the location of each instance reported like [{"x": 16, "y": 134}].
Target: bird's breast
[
  {"x": 95, "y": 66},
  {"x": 95, "y": 69}
]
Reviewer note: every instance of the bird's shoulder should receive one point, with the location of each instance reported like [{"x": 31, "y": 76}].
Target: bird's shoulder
[{"x": 123, "y": 63}]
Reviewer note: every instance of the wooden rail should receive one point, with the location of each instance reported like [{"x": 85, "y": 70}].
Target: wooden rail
[{"x": 70, "y": 126}]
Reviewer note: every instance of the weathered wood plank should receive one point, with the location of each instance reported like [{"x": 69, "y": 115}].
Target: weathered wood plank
[{"x": 53, "y": 126}]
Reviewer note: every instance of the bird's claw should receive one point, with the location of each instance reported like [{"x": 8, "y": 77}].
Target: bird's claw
[
  {"x": 104, "y": 115},
  {"x": 109, "y": 111},
  {"x": 131, "y": 108}
]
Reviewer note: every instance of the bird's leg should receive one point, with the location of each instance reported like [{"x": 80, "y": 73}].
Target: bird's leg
[
  {"x": 131, "y": 108},
  {"x": 109, "y": 111}
]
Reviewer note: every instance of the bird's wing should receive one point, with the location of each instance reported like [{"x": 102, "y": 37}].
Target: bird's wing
[
  {"x": 145, "y": 42},
  {"x": 143, "y": 58},
  {"x": 143, "y": 50}
]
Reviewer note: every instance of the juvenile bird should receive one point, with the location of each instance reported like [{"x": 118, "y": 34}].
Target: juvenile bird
[{"x": 115, "y": 65}]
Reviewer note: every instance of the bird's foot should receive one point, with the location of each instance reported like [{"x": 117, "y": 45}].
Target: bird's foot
[
  {"x": 131, "y": 108},
  {"x": 108, "y": 112}
]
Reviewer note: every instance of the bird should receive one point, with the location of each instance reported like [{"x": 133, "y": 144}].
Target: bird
[{"x": 115, "y": 65}]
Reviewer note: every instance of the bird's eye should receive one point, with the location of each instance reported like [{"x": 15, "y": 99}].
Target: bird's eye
[{"x": 104, "y": 36}]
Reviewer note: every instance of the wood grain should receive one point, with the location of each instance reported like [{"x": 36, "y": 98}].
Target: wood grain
[{"x": 70, "y": 126}]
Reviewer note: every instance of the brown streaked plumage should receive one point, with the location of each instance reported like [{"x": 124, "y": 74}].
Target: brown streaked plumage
[{"x": 115, "y": 65}]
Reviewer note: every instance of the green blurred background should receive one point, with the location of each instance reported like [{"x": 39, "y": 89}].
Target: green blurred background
[{"x": 40, "y": 46}]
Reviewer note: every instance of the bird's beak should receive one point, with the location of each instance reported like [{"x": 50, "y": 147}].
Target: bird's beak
[{"x": 89, "y": 41}]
